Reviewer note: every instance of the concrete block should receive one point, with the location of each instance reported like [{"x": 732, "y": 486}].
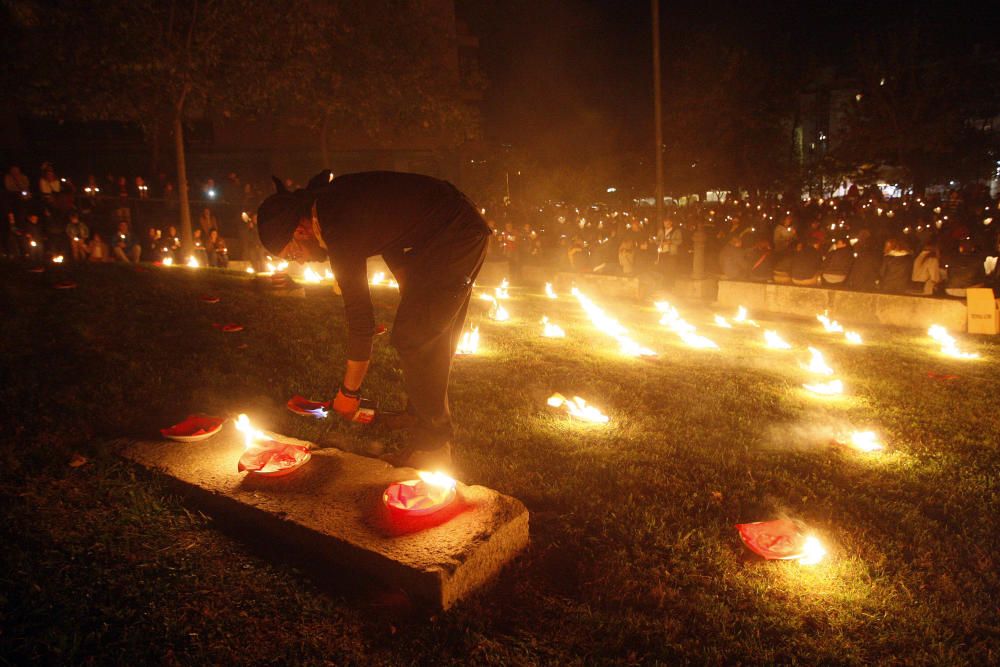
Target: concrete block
[
  {"x": 696, "y": 289},
  {"x": 596, "y": 285},
  {"x": 857, "y": 307},
  {"x": 331, "y": 512}
]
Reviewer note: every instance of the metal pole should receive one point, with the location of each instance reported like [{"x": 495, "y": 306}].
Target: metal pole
[{"x": 657, "y": 114}]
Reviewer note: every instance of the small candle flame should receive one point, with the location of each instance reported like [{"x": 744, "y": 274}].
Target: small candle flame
[
  {"x": 311, "y": 276},
  {"x": 550, "y": 330},
  {"x": 469, "y": 342},
  {"x": 817, "y": 364},
  {"x": 437, "y": 479},
  {"x": 831, "y": 388},
  {"x": 831, "y": 326},
  {"x": 250, "y": 270},
  {"x": 549, "y": 292},
  {"x": 168, "y": 261},
  {"x": 853, "y": 337},
  {"x": 774, "y": 341},
  {"x": 578, "y": 408},
  {"x": 948, "y": 345},
  {"x": 192, "y": 263},
  {"x": 812, "y": 551},
  {"x": 250, "y": 434},
  {"x": 720, "y": 321}
]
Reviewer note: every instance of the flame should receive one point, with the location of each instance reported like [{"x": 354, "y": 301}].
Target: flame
[
  {"x": 469, "y": 342},
  {"x": 722, "y": 322},
  {"x": 866, "y": 441},
  {"x": 549, "y": 292},
  {"x": 684, "y": 330},
  {"x": 271, "y": 268},
  {"x": 611, "y": 327},
  {"x": 192, "y": 262},
  {"x": 831, "y": 326},
  {"x": 487, "y": 297},
  {"x": 551, "y": 330},
  {"x": 437, "y": 479},
  {"x": 58, "y": 259},
  {"x": 774, "y": 341},
  {"x": 378, "y": 278},
  {"x": 168, "y": 261},
  {"x": 501, "y": 292},
  {"x": 328, "y": 275},
  {"x": 741, "y": 317},
  {"x": 311, "y": 276},
  {"x": 853, "y": 337},
  {"x": 282, "y": 265},
  {"x": 812, "y": 551},
  {"x": 249, "y": 269},
  {"x": 498, "y": 313},
  {"x": 578, "y": 408},
  {"x": 817, "y": 364},
  {"x": 948, "y": 344},
  {"x": 250, "y": 434},
  {"x": 831, "y": 388},
  {"x": 393, "y": 284}
]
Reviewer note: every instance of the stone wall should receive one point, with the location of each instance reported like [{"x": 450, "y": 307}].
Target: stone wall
[{"x": 858, "y": 307}]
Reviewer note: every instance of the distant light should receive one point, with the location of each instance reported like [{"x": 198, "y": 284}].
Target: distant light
[{"x": 612, "y": 189}]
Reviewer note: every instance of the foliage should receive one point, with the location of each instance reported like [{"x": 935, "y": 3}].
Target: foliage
[
  {"x": 724, "y": 124},
  {"x": 926, "y": 112}
]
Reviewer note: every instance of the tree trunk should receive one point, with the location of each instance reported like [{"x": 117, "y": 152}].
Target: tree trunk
[
  {"x": 154, "y": 150},
  {"x": 187, "y": 241}
]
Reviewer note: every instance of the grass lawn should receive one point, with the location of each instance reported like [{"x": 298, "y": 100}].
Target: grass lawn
[{"x": 634, "y": 558}]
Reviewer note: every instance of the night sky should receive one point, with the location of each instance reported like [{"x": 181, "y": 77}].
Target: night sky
[{"x": 571, "y": 78}]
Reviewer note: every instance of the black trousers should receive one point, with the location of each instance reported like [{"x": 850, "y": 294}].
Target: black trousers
[{"x": 435, "y": 287}]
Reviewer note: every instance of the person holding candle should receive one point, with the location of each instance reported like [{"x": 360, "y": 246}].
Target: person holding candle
[
  {"x": 434, "y": 241},
  {"x": 78, "y": 234},
  {"x": 124, "y": 246}
]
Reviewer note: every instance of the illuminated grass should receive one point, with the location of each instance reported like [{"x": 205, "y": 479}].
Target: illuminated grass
[{"x": 633, "y": 557}]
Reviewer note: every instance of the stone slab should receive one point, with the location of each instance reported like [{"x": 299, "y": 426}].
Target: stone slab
[
  {"x": 857, "y": 307},
  {"x": 596, "y": 285},
  {"x": 696, "y": 289},
  {"x": 330, "y": 511}
]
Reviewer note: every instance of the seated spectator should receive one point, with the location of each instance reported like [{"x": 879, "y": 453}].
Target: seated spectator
[
  {"x": 126, "y": 248},
  {"x": 761, "y": 261},
  {"x": 806, "y": 264},
  {"x": 626, "y": 257},
  {"x": 153, "y": 252},
  {"x": 78, "y": 234},
  {"x": 16, "y": 181},
  {"x": 577, "y": 255},
  {"x": 172, "y": 244},
  {"x": 32, "y": 237},
  {"x": 207, "y": 221},
  {"x": 897, "y": 267},
  {"x": 215, "y": 247},
  {"x": 97, "y": 249},
  {"x": 733, "y": 261},
  {"x": 784, "y": 234},
  {"x": 965, "y": 270},
  {"x": 200, "y": 253},
  {"x": 837, "y": 264},
  {"x": 867, "y": 265},
  {"x": 782, "y": 267},
  {"x": 927, "y": 268}
]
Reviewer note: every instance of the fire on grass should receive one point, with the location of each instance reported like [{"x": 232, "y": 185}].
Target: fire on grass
[{"x": 611, "y": 327}]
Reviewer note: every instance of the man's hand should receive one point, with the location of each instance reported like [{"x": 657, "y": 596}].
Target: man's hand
[{"x": 347, "y": 405}]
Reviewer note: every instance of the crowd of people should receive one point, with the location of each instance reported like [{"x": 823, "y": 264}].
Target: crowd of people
[
  {"x": 862, "y": 240},
  {"x": 125, "y": 219},
  {"x": 937, "y": 244}
]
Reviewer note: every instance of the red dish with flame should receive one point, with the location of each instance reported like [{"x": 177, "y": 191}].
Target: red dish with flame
[
  {"x": 774, "y": 540},
  {"x": 274, "y": 459},
  {"x": 415, "y": 497},
  {"x": 194, "y": 428}
]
